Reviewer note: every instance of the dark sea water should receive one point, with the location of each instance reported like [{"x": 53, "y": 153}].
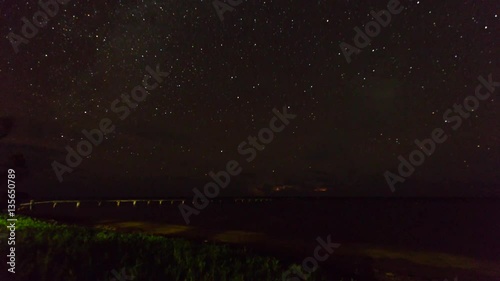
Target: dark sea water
[{"x": 469, "y": 227}]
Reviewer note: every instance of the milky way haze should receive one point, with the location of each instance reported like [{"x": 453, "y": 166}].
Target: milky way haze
[{"x": 226, "y": 76}]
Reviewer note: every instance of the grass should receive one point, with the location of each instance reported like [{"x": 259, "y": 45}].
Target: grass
[{"x": 49, "y": 251}]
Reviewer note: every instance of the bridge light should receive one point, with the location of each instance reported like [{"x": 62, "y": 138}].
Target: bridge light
[
  {"x": 78, "y": 204},
  {"x": 53, "y": 206},
  {"x": 161, "y": 201},
  {"x": 118, "y": 203},
  {"x": 135, "y": 202}
]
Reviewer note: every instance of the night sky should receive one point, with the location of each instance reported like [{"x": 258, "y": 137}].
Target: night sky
[{"x": 353, "y": 119}]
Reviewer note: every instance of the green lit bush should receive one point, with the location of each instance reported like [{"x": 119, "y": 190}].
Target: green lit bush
[{"x": 51, "y": 252}]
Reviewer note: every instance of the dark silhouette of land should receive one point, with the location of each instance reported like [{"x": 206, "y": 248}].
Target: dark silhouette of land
[{"x": 407, "y": 236}]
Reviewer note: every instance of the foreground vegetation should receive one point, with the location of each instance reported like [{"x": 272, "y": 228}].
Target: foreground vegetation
[{"x": 52, "y": 252}]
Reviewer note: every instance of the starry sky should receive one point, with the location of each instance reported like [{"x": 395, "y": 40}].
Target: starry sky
[{"x": 353, "y": 119}]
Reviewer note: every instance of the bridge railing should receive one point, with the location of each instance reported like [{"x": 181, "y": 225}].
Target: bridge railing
[{"x": 134, "y": 202}]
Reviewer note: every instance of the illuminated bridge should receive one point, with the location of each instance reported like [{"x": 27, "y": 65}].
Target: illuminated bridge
[{"x": 133, "y": 202}]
